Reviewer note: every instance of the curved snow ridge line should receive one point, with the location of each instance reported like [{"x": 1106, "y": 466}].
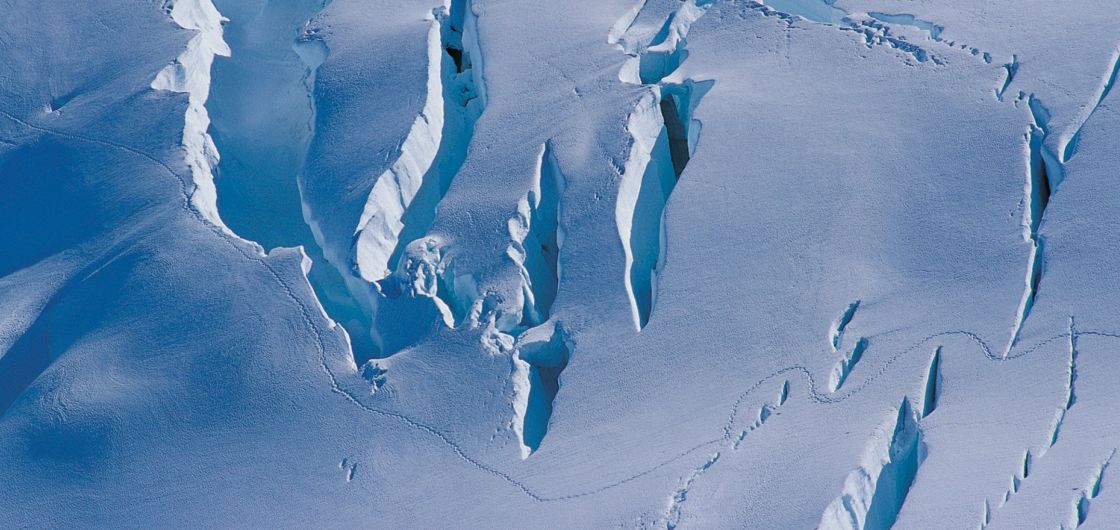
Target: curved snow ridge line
[
  {"x": 13, "y": 328},
  {"x": 1070, "y": 147},
  {"x": 663, "y": 136},
  {"x": 190, "y": 74},
  {"x": 402, "y": 203},
  {"x": 381, "y": 222}
]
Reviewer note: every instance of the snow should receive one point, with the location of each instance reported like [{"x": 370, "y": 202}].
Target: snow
[
  {"x": 190, "y": 74},
  {"x": 599, "y": 263}
]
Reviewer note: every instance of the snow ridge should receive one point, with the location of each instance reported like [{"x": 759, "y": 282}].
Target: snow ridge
[
  {"x": 664, "y": 136},
  {"x": 874, "y": 492},
  {"x": 1050, "y": 151},
  {"x": 401, "y": 205},
  {"x": 542, "y": 352},
  {"x": 190, "y": 74},
  {"x": 815, "y": 395},
  {"x": 672, "y": 138}
]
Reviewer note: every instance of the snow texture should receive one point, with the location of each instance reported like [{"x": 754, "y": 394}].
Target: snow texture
[{"x": 596, "y": 263}]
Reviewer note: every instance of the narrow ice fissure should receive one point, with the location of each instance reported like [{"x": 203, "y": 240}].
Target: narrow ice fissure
[
  {"x": 1060, "y": 414},
  {"x": 846, "y": 364},
  {"x": 1083, "y": 503},
  {"x": 664, "y": 138},
  {"x": 542, "y": 350},
  {"x": 836, "y": 332},
  {"x": 1044, "y": 175},
  {"x": 873, "y": 494},
  {"x": 401, "y": 207},
  {"x": 537, "y": 236},
  {"x": 1071, "y": 393},
  {"x": 1011, "y": 69},
  {"x": 1047, "y": 171},
  {"x": 932, "y": 387},
  {"x": 1016, "y": 480},
  {"x": 1107, "y": 83},
  {"x": 542, "y": 354}
]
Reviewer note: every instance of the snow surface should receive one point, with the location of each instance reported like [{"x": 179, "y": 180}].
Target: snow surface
[{"x": 597, "y": 263}]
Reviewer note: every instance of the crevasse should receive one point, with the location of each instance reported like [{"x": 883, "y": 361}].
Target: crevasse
[{"x": 401, "y": 205}]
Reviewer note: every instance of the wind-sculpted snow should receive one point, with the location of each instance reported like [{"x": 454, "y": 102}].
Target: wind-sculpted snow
[
  {"x": 263, "y": 116},
  {"x": 664, "y": 136},
  {"x": 874, "y": 493},
  {"x": 190, "y": 73},
  {"x": 407, "y": 194},
  {"x": 601, "y": 263}
]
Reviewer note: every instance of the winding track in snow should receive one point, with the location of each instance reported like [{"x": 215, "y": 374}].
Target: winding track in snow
[
  {"x": 815, "y": 395},
  {"x": 726, "y": 438}
]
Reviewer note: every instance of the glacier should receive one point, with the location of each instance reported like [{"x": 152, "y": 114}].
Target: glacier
[{"x": 836, "y": 264}]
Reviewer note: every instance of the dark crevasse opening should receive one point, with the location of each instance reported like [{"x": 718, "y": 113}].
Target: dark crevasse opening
[
  {"x": 1044, "y": 176},
  {"x": 676, "y": 132},
  {"x": 670, "y": 155},
  {"x": 541, "y": 246},
  {"x": 262, "y": 116},
  {"x": 463, "y": 103},
  {"x": 905, "y": 454},
  {"x": 545, "y": 353}
]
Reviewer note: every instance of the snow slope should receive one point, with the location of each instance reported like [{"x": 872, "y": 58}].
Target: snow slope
[{"x": 598, "y": 263}]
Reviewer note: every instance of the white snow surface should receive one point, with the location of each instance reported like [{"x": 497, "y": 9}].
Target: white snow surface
[{"x": 594, "y": 263}]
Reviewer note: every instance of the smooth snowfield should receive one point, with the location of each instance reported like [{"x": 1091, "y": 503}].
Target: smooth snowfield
[{"x": 598, "y": 263}]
